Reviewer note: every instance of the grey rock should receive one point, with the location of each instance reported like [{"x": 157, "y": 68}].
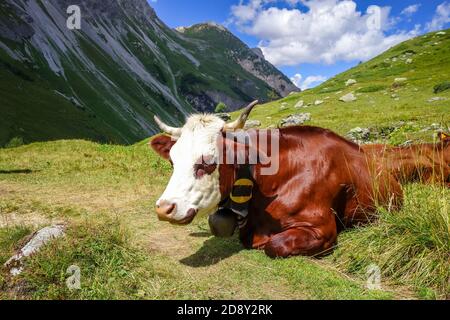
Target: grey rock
[
  {"x": 318, "y": 102},
  {"x": 299, "y": 104},
  {"x": 359, "y": 135},
  {"x": 296, "y": 119},
  {"x": 39, "y": 239},
  {"x": 406, "y": 143},
  {"x": 258, "y": 52},
  {"x": 434, "y": 99},
  {"x": 350, "y": 82},
  {"x": 349, "y": 97},
  {"x": 249, "y": 124},
  {"x": 399, "y": 80}
]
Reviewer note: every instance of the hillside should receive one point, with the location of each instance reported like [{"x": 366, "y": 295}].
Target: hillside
[
  {"x": 395, "y": 98},
  {"x": 105, "y": 81},
  {"x": 105, "y": 194}
]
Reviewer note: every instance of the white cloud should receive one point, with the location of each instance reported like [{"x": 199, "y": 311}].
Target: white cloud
[
  {"x": 441, "y": 17},
  {"x": 328, "y": 31},
  {"x": 309, "y": 82},
  {"x": 410, "y": 10}
]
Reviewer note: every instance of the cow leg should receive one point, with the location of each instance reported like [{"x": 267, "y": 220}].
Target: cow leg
[{"x": 306, "y": 241}]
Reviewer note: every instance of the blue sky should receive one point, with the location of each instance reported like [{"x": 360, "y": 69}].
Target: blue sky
[{"x": 312, "y": 40}]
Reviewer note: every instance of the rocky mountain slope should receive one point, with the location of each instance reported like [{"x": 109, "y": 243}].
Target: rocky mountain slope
[
  {"x": 400, "y": 96},
  {"x": 105, "y": 81}
]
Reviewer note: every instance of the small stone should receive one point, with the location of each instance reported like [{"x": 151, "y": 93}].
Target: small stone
[
  {"x": 318, "y": 102},
  {"x": 350, "y": 82},
  {"x": 409, "y": 61},
  {"x": 434, "y": 99},
  {"x": 299, "y": 104},
  {"x": 398, "y": 80},
  {"x": 359, "y": 135},
  {"x": 296, "y": 119},
  {"x": 249, "y": 124}
]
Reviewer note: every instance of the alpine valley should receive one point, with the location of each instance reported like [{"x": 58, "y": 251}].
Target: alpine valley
[{"x": 106, "y": 80}]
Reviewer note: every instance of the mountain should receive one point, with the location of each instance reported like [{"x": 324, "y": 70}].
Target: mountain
[
  {"x": 220, "y": 47},
  {"x": 402, "y": 94},
  {"x": 105, "y": 81}
]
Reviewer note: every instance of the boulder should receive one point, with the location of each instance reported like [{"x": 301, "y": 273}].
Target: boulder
[
  {"x": 359, "y": 135},
  {"x": 295, "y": 119},
  {"x": 299, "y": 104},
  {"x": 37, "y": 240},
  {"x": 350, "y": 82},
  {"x": 249, "y": 124},
  {"x": 349, "y": 97}
]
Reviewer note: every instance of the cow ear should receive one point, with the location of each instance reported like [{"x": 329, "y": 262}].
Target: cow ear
[
  {"x": 162, "y": 145},
  {"x": 443, "y": 137}
]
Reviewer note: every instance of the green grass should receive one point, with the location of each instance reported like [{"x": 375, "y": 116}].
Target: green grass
[
  {"x": 374, "y": 89},
  {"x": 105, "y": 195},
  {"x": 410, "y": 246}
]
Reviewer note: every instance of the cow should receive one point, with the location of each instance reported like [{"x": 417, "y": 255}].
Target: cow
[
  {"x": 425, "y": 162},
  {"x": 324, "y": 183}
]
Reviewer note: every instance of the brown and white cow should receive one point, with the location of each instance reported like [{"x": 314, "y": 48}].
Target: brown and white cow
[
  {"x": 424, "y": 162},
  {"x": 324, "y": 183}
]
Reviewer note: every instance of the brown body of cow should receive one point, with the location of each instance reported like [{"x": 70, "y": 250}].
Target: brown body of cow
[
  {"x": 324, "y": 184},
  {"x": 426, "y": 163}
]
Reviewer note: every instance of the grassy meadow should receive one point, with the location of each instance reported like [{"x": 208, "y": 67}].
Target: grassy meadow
[{"x": 105, "y": 195}]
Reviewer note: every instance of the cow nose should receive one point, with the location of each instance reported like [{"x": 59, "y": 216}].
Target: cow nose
[{"x": 164, "y": 209}]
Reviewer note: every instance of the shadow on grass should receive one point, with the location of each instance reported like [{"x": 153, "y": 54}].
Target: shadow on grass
[
  {"x": 203, "y": 234},
  {"x": 213, "y": 251},
  {"x": 17, "y": 171}
]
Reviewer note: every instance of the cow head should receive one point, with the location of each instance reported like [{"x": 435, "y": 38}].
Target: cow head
[{"x": 193, "y": 151}]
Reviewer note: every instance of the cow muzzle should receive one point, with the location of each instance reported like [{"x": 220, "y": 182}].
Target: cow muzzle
[{"x": 166, "y": 211}]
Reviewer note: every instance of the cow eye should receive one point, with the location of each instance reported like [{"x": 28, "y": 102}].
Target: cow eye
[{"x": 205, "y": 165}]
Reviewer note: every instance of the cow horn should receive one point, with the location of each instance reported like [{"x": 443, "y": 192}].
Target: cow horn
[
  {"x": 240, "y": 122},
  {"x": 174, "y": 132}
]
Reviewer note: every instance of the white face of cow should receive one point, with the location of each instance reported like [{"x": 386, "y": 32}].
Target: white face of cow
[{"x": 194, "y": 186}]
